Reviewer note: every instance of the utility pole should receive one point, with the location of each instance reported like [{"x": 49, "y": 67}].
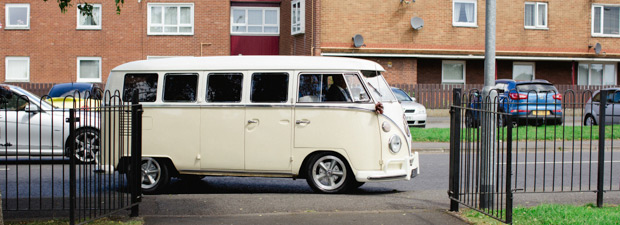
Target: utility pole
[{"x": 489, "y": 98}]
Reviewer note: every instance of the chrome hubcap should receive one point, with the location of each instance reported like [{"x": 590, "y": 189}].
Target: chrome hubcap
[
  {"x": 151, "y": 172},
  {"x": 329, "y": 173}
]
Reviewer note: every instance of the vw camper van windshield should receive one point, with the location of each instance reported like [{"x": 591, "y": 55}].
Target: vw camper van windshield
[{"x": 379, "y": 88}]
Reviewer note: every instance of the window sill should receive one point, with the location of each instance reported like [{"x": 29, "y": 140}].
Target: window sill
[
  {"x": 16, "y": 28},
  {"x": 536, "y": 28},
  {"x": 170, "y": 34},
  {"x": 255, "y": 34},
  {"x": 88, "y": 28},
  {"x": 606, "y": 35},
  {"x": 16, "y": 81},
  {"x": 465, "y": 25},
  {"x": 298, "y": 33}
]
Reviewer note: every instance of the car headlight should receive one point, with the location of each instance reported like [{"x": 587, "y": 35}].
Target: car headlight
[{"x": 395, "y": 144}]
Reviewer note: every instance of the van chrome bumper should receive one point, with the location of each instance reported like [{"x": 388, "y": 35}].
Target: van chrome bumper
[{"x": 409, "y": 168}]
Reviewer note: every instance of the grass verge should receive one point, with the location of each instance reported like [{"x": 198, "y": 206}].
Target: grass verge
[
  {"x": 521, "y": 133},
  {"x": 554, "y": 214}
]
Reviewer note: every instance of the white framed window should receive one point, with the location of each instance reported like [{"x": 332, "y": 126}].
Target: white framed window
[
  {"x": 89, "y": 69},
  {"x": 85, "y": 22},
  {"x": 255, "y": 20},
  {"x": 17, "y": 16},
  {"x": 298, "y": 17},
  {"x": 597, "y": 73},
  {"x": 452, "y": 72},
  {"x": 523, "y": 71},
  {"x": 606, "y": 20},
  {"x": 465, "y": 13},
  {"x": 17, "y": 69},
  {"x": 535, "y": 15},
  {"x": 170, "y": 19}
]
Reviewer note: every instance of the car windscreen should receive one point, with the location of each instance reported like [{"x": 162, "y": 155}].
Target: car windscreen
[
  {"x": 401, "y": 95},
  {"x": 538, "y": 88}
]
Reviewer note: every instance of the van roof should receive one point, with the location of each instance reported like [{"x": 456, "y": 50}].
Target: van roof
[{"x": 250, "y": 63}]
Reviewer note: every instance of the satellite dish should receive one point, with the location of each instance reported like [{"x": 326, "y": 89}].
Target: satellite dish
[
  {"x": 417, "y": 23},
  {"x": 597, "y": 48},
  {"x": 358, "y": 41}
]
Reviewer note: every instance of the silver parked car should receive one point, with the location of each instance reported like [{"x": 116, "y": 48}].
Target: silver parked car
[
  {"x": 415, "y": 113},
  {"x": 612, "y": 108},
  {"x": 29, "y": 126}
]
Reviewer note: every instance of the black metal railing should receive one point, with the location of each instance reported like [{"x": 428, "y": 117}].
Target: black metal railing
[
  {"x": 479, "y": 166},
  {"x": 60, "y": 157},
  {"x": 530, "y": 143}
]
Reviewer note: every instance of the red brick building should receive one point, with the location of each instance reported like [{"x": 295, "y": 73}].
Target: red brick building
[{"x": 557, "y": 40}]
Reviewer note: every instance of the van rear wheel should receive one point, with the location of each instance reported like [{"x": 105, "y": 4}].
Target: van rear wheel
[
  {"x": 329, "y": 173},
  {"x": 154, "y": 175}
]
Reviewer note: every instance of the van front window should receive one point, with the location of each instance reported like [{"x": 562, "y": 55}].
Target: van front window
[{"x": 379, "y": 89}]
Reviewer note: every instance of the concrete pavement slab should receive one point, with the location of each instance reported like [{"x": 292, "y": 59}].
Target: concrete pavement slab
[{"x": 421, "y": 216}]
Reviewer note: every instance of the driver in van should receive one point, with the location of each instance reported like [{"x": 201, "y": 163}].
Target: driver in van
[{"x": 338, "y": 90}]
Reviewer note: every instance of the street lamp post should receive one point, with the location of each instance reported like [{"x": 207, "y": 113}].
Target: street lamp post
[{"x": 488, "y": 97}]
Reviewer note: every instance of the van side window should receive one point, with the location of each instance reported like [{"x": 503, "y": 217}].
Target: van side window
[
  {"x": 224, "y": 87},
  {"x": 146, "y": 84},
  {"x": 330, "y": 88},
  {"x": 269, "y": 87},
  {"x": 358, "y": 93},
  {"x": 180, "y": 87}
]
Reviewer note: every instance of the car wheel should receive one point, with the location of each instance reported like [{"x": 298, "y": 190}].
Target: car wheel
[
  {"x": 589, "y": 120},
  {"x": 501, "y": 120},
  {"x": 469, "y": 120},
  {"x": 328, "y": 173},
  {"x": 154, "y": 176},
  {"x": 86, "y": 144}
]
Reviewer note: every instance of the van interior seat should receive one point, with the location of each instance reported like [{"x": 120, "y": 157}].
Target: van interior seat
[{"x": 309, "y": 98}]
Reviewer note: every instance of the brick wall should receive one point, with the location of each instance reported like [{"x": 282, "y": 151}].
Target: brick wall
[
  {"x": 53, "y": 43},
  {"x": 386, "y": 27},
  {"x": 299, "y": 44}
]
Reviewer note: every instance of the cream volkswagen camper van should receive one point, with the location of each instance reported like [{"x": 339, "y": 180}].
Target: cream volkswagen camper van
[{"x": 270, "y": 116}]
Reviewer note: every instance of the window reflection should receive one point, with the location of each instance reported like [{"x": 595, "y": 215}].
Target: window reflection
[
  {"x": 146, "y": 84},
  {"x": 224, "y": 87},
  {"x": 269, "y": 87},
  {"x": 180, "y": 87}
]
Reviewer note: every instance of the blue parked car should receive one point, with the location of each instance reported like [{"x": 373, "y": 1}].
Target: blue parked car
[{"x": 535, "y": 102}]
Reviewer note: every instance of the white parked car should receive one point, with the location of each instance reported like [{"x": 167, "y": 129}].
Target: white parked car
[
  {"x": 415, "y": 113},
  {"x": 29, "y": 126}
]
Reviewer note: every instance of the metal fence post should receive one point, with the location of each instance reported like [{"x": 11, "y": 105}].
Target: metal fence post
[
  {"x": 72, "y": 175},
  {"x": 601, "y": 149},
  {"x": 509, "y": 169},
  {"x": 455, "y": 116},
  {"x": 136, "y": 154}
]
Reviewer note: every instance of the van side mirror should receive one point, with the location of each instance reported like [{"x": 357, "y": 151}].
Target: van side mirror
[{"x": 413, "y": 98}]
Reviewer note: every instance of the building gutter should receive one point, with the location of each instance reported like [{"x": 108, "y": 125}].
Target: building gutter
[{"x": 474, "y": 57}]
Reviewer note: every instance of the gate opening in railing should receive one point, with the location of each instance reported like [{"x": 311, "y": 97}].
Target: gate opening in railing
[
  {"x": 73, "y": 157},
  {"x": 541, "y": 141}
]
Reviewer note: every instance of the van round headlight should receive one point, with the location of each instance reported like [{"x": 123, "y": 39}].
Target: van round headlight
[{"x": 395, "y": 144}]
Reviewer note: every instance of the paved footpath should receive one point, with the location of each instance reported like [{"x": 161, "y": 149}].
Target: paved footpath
[{"x": 411, "y": 207}]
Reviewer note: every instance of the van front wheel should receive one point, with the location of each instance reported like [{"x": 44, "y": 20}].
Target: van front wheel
[{"x": 328, "y": 173}]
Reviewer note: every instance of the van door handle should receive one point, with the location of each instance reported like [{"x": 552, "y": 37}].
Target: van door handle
[
  {"x": 252, "y": 121},
  {"x": 302, "y": 122}
]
